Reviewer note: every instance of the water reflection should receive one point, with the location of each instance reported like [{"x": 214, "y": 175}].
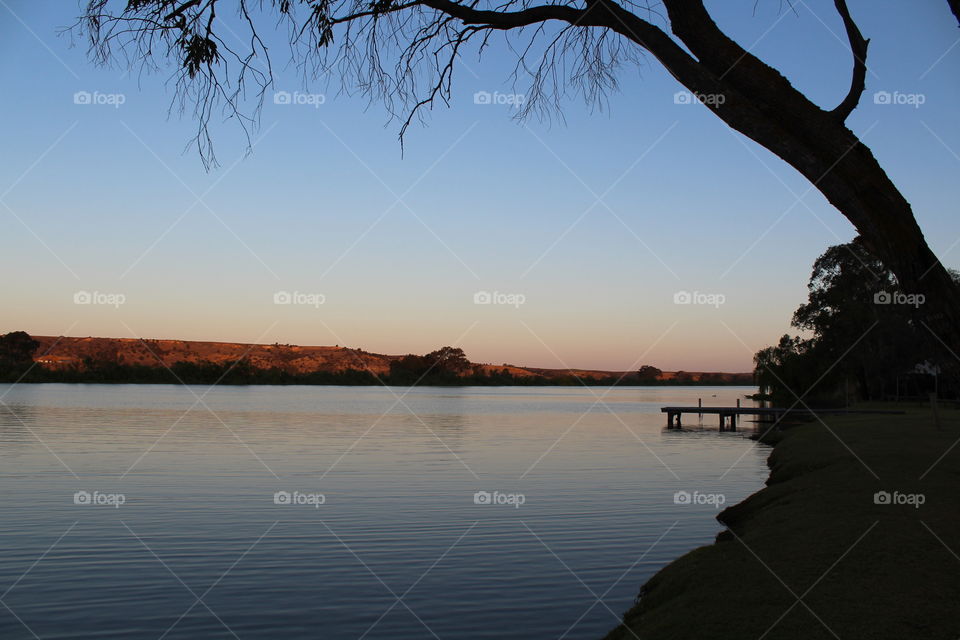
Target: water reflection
[{"x": 399, "y": 484}]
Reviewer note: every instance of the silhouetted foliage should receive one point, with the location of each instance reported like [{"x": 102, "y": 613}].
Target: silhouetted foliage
[
  {"x": 648, "y": 374},
  {"x": 867, "y": 338},
  {"x": 17, "y": 347},
  {"x": 443, "y": 366},
  {"x": 16, "y": 354}
]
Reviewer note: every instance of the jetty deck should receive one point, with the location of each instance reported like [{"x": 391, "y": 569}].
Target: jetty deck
[{"x": 729, "y": 415}]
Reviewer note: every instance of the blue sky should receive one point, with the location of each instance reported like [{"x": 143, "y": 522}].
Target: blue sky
[{"x": 110, "y": 199}]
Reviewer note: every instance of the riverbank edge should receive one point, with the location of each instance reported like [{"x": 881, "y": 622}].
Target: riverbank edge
[
  {"x": 759, "y": 586},
  {"x": 738, "y": 512}
]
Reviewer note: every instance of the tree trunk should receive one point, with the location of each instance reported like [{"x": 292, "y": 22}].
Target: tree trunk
[
  {"x": 760, "y": 103},
  {"x": 845, "y": 171}
]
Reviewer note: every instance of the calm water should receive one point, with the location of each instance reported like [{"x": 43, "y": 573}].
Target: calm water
[{"x": 199, "y": 548}]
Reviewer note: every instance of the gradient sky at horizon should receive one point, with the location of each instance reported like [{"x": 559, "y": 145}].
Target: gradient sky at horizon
[{"x": 111, "y": 199}]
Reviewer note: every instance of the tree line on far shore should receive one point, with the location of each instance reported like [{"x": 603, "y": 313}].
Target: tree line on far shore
[{"x": 447, "y": 366}]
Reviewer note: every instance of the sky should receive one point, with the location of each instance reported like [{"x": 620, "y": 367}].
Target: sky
[{"x": 548, "y": 242}]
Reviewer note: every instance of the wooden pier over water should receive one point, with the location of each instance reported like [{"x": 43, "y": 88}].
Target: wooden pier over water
[{"x": 729, "y": 415}]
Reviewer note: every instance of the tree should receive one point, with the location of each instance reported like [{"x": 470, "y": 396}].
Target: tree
[
  {"x": 448, "y": 360},
  {"x": 408, "y": 369},
  {"x": 648, "y": 373},
  {"x": 444, "y": 365},
  {"x": 403, "y": 52},
  {"x": 865, "y": 332},
  {"x": 16, "y": 353},
  {"x": 18, "y": 346},
  {"x": 784, "y": 367}
]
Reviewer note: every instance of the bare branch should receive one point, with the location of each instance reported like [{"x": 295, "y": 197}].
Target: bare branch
[
  {"x": 858, "y": 46},
  {"x": 422, "y": 40},
  {"x": 403, "y": 53}
]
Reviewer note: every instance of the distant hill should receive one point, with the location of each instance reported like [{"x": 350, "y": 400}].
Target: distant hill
[
  {"x": 58, "y": 353},
  {"x": 63, "y": 352}
]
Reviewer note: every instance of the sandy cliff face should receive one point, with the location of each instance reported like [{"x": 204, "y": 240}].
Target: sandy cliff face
[{"x": 63, "y": 352}]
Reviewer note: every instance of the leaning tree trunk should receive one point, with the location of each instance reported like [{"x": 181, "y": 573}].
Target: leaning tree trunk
[
  {"x": 762, "y": 104},
  {"x": 863, "y": 192},
  {"x": 845, "y": 171}
]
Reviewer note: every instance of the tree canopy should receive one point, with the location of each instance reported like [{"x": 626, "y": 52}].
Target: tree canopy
[
  {"x": 17, "y": 348},
  {"x": 648, "y": 373},
  {"x": 443, "y": 365},
  {"x": 867, "y": 338}
]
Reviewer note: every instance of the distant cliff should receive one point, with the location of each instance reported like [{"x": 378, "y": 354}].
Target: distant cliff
[
  {"x": 64, "y": 352},
  {"x": 78, "y": 354}
]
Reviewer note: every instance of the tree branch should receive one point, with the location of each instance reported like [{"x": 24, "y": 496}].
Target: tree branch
[
  {"x": 858, "y": 46},
  {"x": 179, "y": 11},
  {"x": 506, "y": 19},
  {"x": 955, "y": 7}
]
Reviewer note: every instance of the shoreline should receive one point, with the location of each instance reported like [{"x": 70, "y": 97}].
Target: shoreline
[
  {"x": 386, "y": 382},
  {"x": 814, "y": 554}
]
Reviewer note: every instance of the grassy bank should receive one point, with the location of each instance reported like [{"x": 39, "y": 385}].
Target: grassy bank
[{"x": 812, "y": 556}]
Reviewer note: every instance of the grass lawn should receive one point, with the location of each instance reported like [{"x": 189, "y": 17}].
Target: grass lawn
[{"x": 812, "y": 556}]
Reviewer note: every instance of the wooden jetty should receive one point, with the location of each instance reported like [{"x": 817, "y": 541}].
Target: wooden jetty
[{"x": 729, "y": 415}]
